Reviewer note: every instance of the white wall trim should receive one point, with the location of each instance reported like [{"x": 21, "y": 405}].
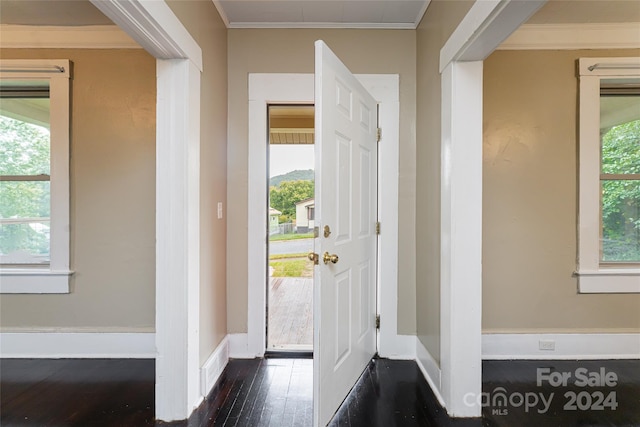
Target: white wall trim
[
  {"x": 364, "y": 25},
  {"x": 487, "y": 24},
  {"x": 54, "y": 277},
  {"x": 263, "y": 89},
  {"x": 386, "y": 90},
  {"x": 221, "y": 12},
  {"x": 239, "y": 347},
  {"x": 178, "y": 239},
  {"x": 567, "y": 346},
  {"x": 425, "y": 5},
  {"x": 298, "y": 88},
  {"x": 50, "y": 37},
  {"x": 213, "y": 367},
  {"x": 592, "y": 276},
  {"x": 604, "y": 281},
  {"x": 430, "y": 369},
  {"x": 395, "y": 346},
  {"x": 154, "y": 26},
  {"x": 574, "y": 36},
  {"x": 316, "y": 25},
  {"x": 85, "y": 345},
  {"x": 34, "y": 281},
  {"x": 461, "y": 236}
]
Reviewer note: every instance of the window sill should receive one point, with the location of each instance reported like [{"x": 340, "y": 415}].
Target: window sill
[
  {"x": 609, "y": 281},
  {"x": 34, "y": 281}
]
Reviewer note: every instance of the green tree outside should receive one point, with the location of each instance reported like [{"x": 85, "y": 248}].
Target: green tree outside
[
  {"x": 285, "y": 196},
  {"x": 24, "y": 150},
  {"x": 621, "y": 198}
]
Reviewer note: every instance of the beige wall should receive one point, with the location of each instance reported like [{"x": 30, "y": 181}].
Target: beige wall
[
  {"x": 291, "y": 51},
  {"x": 206, "y": 27},
  {"x": 441, "y": 18},
  {"x": 112, "y": 198},
  {"x": 529, "y": 201}
]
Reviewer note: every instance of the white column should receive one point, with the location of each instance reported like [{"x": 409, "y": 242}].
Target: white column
[
  {"x": 178, "y": 239},
  {"x": 461, "y": 237}
]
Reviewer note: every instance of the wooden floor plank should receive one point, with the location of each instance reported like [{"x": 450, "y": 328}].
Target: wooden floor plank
[
  {"x": 278, "y": 393},
  {"x": 77, "y": 392}
]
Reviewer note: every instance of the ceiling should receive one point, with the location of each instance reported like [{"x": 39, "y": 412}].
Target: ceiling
[
  {"x": 316, "y": 13},
  {"x": 322, "y": 13}
]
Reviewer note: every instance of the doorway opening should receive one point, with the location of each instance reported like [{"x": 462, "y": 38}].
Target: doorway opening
[{"x": 290, "y": 223}]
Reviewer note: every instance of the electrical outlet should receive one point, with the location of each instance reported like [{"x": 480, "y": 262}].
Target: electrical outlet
[
  {"x": 219, "y": 210},
  {"x": 547, "y": 345}
]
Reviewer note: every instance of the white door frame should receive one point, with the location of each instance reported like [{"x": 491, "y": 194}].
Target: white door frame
[
  {"x": 298, "y": 88},
  {"x": 486, "y": 25},
  {"x": 179, "y": 64},
  {"x": 154, "y": 26}
]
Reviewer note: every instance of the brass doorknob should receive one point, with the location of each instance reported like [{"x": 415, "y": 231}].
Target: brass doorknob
[
  {"x": 327, "y": 258},
  {"x": 313, "y": 257}
]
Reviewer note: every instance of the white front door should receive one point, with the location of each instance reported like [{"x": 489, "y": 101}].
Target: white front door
[{"x": 346, "y": 203}]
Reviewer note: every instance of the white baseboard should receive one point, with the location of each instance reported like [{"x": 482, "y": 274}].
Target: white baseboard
[
  {"x": 398, "y": 347},
  {"x": 566, "y": 346},
  {"x": 239, "y": 346},
  {"x": 85, "y": 345},
  {"x": 430, "y": 370},
  {"x": 213, "y": 367}
]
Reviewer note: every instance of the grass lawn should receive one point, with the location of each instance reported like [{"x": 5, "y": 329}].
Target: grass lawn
[
  {"x": 292, "y": 236},
  {"x": 291, "y": 266},
  {"x": 285, "y": 256}
]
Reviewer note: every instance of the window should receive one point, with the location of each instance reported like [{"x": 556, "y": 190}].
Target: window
[
  {"x": 34, "y": 176},
  {"x": 609, "y": 206}
]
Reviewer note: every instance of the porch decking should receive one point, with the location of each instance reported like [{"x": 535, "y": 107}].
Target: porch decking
[{"x": 290, "y": 311}]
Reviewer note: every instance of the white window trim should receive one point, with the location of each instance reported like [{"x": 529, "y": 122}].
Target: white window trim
[
  {"x": 592, "y": 276},
  {"x": 53, "y": 278}
]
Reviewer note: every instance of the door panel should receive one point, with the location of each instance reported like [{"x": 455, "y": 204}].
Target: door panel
[{"x": 346, "y": 201}]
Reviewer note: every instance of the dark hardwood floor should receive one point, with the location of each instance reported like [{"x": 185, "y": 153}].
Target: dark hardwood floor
[
  {"x": 278, "y": 392},
  {"x": 592, "y": 393},
  {"x": 76, "y": 392}
]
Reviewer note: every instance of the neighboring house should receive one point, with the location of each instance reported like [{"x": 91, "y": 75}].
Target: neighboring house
[
  {"x": 125, "y": 190},
  {"x": 274, "y": 227},
  {"x": 305, "y": 214}
]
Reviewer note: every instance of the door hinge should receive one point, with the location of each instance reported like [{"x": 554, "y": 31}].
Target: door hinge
[
  {"x": 378, "y": 228},
  {"x": 377, "y": 321},
  {"x": 379, "y": 134}
]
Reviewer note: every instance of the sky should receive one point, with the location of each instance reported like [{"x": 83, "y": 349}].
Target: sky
[{"x": 287, "y": 158}]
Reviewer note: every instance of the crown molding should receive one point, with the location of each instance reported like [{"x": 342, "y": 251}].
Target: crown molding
[
  {"x": 324, "y": 25},
  {"x": 49, "y": 37},
  {"x": 221, "y": 12},
  {"x": 574, "y": 36},
  {"x": 154, "y": 26}
]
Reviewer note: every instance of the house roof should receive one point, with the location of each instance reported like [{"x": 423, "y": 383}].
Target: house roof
[
  {"x": 273, "y": 211},
  {"x": 305, "y": 201}
]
